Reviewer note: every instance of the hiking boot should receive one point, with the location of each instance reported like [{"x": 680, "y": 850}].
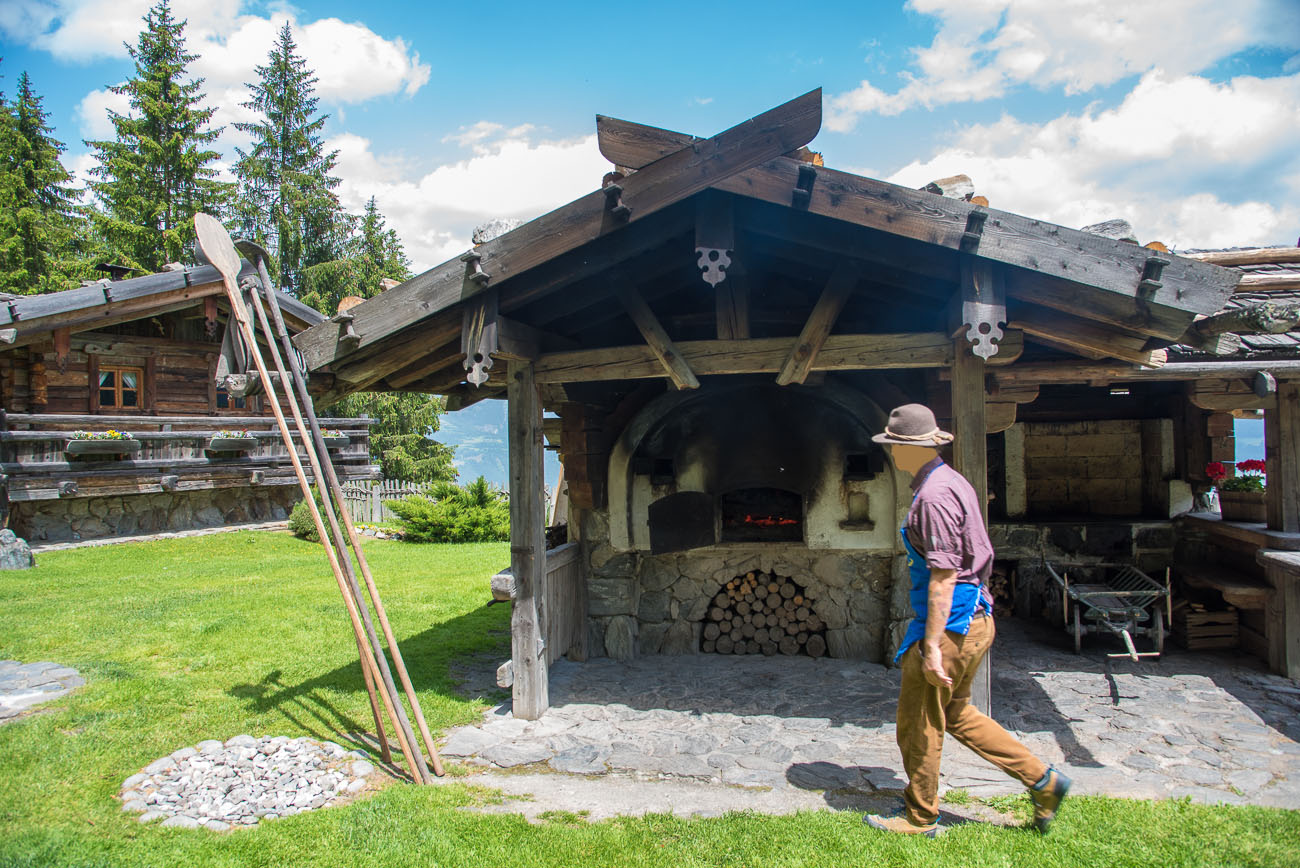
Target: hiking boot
[
  {"x": 1047, "y": 796},
  {"x": 901, "y": 825}
]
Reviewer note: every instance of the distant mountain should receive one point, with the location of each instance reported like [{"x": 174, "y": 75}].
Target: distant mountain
[{"x": 479, "y": 434}]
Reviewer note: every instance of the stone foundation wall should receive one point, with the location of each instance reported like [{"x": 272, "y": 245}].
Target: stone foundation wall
[
  {"x": 642, "y": 604},
  {"x": 78, "y": 518},
  {"x": 1149, "y": 546}
]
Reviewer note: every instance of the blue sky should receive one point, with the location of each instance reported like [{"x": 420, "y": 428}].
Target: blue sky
[{"x": 1181, "y": 116}]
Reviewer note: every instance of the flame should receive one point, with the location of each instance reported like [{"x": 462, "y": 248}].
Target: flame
[{"x": 769, "y": 521}]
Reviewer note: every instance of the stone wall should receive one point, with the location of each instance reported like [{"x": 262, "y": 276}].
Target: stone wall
[
  {"x": 1084, "y": 467},
  {"x": 78, "y": 518},
  {"x": 642, "y": 604},
  {"x": 1147, "y": 545}
]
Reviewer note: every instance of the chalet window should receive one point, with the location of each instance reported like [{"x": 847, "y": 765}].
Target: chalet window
[
  {"x": 227, "y": 401},
  {"x": 120, "y": 387}
]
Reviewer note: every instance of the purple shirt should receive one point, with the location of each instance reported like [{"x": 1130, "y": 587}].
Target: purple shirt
[{"x": 945, "y": 524}]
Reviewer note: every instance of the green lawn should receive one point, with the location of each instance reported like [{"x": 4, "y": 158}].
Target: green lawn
[{"x": 210, "y": 637}]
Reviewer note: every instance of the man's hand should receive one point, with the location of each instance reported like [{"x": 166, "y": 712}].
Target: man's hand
[
  {"x": 932, "y": 666},
  {"x": 942, "y": 584}
]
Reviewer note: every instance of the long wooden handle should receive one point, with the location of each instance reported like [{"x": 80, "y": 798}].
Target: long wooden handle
[
  {"x": 324, "y": 471},
  {"x": 300, "y": 385},
  {"x": 241, "y": 318}
]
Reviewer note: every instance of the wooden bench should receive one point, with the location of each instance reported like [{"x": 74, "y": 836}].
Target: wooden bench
[{"x": 1238, "y": 589}]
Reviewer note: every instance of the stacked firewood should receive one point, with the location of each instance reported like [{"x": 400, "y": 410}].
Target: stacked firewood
[
  {"x": 1001, "y": 586},
  {"x": 763, "y": 613}
]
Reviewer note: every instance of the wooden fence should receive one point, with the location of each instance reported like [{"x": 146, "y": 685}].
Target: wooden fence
[
  {"x": 564, "y": 604},
  {"x": 561, "y": 607},
  {"x": 367, "y": 501}
]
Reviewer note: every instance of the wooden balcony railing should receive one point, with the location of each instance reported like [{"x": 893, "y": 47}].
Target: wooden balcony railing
[{"x": 174, "y": 455}]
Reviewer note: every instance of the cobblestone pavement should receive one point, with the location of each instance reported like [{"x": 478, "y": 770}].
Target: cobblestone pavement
[
  {"x": 1215, "y": 727},
  {"x": 23, "y": 685}
]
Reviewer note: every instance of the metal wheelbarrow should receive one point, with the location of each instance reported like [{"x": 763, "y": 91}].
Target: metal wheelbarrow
[{"x": 1114, "y": 598}]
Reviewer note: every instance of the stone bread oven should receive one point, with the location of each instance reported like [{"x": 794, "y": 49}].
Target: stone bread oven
[{"x": 745, "y": 482}]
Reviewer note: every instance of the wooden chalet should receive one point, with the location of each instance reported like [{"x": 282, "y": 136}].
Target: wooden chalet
[
  {"x": 718, "y": 331},
  {"x": 142, "y": 356}
]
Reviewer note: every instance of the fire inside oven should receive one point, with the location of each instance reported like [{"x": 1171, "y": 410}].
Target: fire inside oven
[{"x": 761, "y": 515}]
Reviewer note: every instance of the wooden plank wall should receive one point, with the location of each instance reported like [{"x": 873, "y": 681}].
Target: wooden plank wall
[{"x": 180, "y": 385}]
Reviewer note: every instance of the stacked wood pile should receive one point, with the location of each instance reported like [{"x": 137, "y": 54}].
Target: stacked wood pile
[
  {"x": 1197, "y": 627},
  {"x": 763, "y": 613},
  {"x": 1002, "y": 585}
]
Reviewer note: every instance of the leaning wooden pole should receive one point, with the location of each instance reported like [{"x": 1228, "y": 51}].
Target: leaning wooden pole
[
  {"x": 215, "y": 243},
  {"x": 326, "y": 474},
  {"x": 328, "y": 497}
]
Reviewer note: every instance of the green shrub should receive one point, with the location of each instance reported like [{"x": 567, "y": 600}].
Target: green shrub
[
  {"x": 300, "y": 522},
  {"x": 475, "y": 513}
]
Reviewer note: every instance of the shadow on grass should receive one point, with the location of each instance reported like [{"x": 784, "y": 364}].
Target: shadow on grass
[
  {"x": 861, "y": 789},
  {"x": 429, "y": 657}
]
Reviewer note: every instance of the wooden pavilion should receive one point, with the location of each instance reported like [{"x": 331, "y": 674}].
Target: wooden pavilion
[{"x": 721, "y": 327}]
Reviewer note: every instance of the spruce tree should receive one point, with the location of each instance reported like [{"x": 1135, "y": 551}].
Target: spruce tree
[
  {"x": 38, "y": 210},
  {"x": 286, "y": 200},
  {"x": 371, "y": 254},
  {"x": 156, "y": 175}
]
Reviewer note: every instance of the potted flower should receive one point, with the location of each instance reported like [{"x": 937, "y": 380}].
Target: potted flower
[
  {"x": 110, "y": 444},
  {"x": 1241, "y": 496},
  {"x": 335, "y": 439},
  {"x": 232, "y": 441}
]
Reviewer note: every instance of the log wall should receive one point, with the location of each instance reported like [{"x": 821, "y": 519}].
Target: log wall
[{"x": 177, "y": 377}]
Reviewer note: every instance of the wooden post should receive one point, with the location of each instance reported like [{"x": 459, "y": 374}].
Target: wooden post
[
  {"x": 527, "y": 542},
  {"x": 1014, "y": 466},
  {"x": 971, "y": 460},
  {"x": 1282, "y": 455},
  {"x": 92, "y": 378}
]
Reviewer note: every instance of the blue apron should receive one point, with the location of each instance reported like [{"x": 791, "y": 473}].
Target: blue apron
[{"x": 967, "y": 599}]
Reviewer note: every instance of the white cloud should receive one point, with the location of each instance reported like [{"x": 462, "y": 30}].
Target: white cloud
[
  {"x": 508, "y": 174},
  {"x": 484, "y": 136},
  {"x": 1175, "y": 159},
  {"x": 985, "y": 47},
  {"x": 351, "y": 62},
  {"x": 93, "y": 110}
]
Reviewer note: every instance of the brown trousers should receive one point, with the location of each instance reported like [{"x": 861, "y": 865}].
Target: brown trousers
[{"x": 926, "y": 712}]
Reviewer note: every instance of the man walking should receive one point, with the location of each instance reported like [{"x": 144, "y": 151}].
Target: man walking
[{"x": 949, "y": 558}]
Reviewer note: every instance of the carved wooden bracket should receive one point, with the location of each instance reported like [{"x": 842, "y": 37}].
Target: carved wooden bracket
[
  {"x": 479, "y": 336},
  {"x": 983, "y": 306},
  {"x": 715, "y": 238}
]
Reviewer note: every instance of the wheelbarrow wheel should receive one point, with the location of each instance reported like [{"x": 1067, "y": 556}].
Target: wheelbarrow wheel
[
  {"x": 1078, "y": 632},
  {"x": 1158, "y": 632}
]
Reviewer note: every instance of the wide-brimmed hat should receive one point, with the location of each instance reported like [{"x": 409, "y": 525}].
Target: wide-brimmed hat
[{"x": 913, "y": 425}]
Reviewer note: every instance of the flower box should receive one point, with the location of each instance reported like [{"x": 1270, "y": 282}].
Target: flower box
[
  {"x": 232, "y": 444},
  {"x": 336, "y": 442},
  {"x": 102, "y": 447},
  {"x": 1247, "y": 506}
]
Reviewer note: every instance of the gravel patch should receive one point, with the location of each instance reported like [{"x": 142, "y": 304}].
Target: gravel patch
[{"x": 244, "y": 780}]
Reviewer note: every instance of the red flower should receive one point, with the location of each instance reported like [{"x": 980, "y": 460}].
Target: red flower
[
  {"x": 1215, "y": 470},
  {"x": 1253, "y": 465}
]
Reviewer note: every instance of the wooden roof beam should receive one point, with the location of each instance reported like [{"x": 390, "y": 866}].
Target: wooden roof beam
[
  {"x": 1121, "y": 372},
  {"x": 1183, "y": 285},
  {"x": 803, "y": 355},
  {"x": 570, "y": 226},
  {"x": 448, "y": 354},
  {"x": 1251, "y": 256},
  {"x": 677, "y": 368},
  {"x": 764, "y": 356},
  {"x": 1085, "y": 335}
]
